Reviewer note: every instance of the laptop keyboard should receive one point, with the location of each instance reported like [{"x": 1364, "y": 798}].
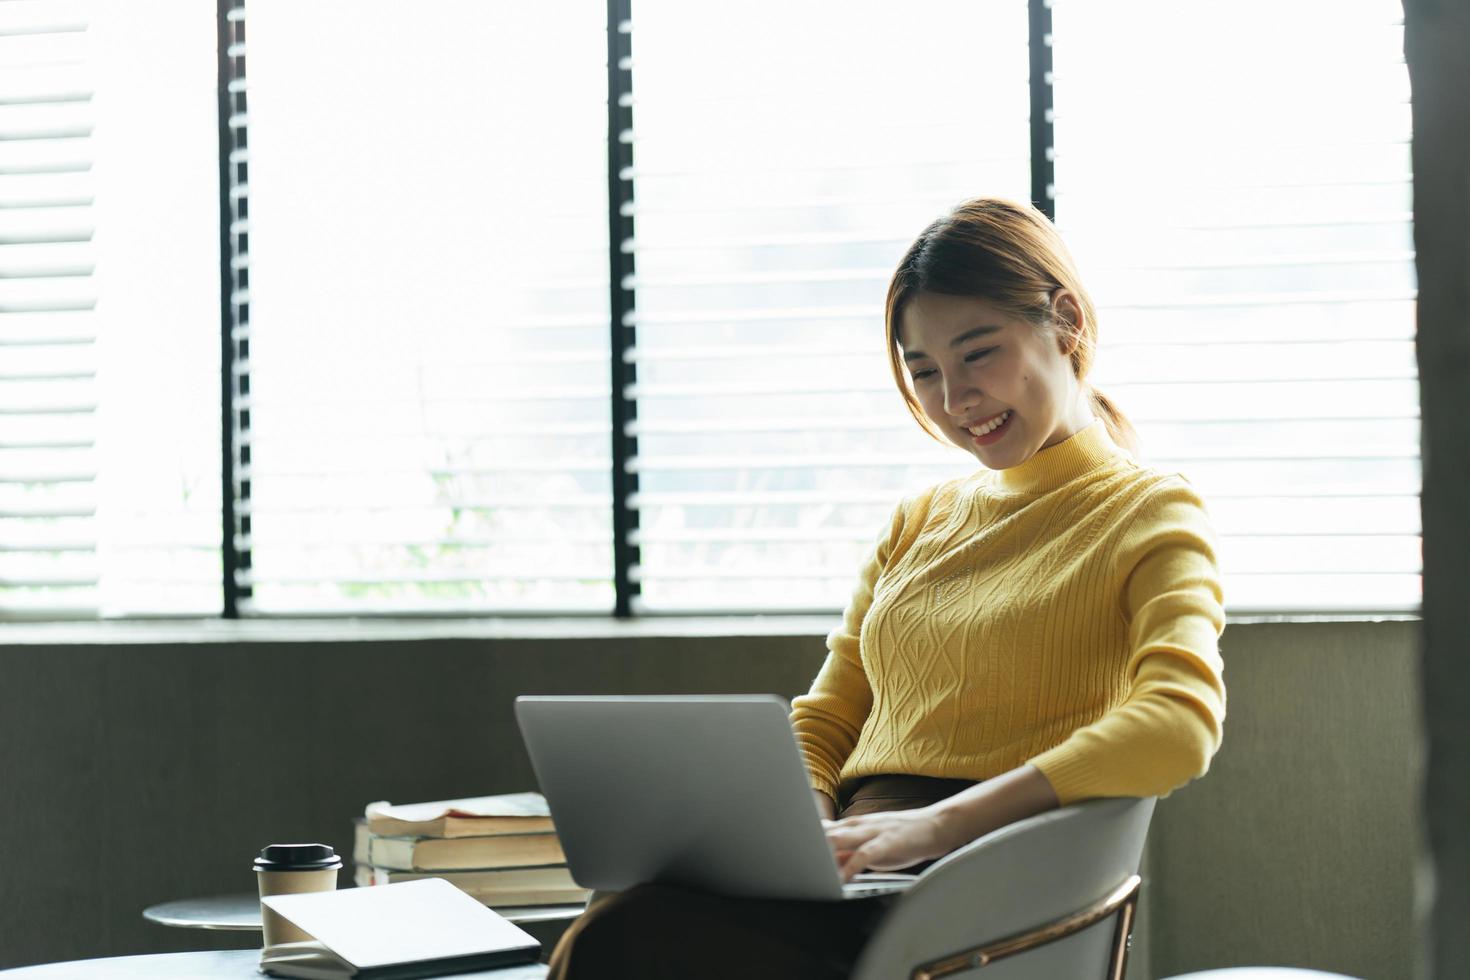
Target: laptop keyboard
[{"x": 877, "y": 883}]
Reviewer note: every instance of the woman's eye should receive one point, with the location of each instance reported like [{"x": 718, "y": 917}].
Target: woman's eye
[
  {"x": 921, "y": 375},
  {"x": 976, "y": 355}
]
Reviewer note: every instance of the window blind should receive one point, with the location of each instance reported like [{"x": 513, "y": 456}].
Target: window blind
[
  {"x": 428, "y": 337},
  {"x": 107, "y": 502},
  {"x": 48, "y": 367},
  {"x": 427, "y": 286},
  {"x": 1239, "y": 203},
  {"x": 781, "y": 166}
]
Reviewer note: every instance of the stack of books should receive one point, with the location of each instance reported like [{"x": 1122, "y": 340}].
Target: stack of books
[{"x": 501, "y": 850}]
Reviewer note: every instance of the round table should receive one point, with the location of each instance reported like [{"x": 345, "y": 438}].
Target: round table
[
  {"x": 1260, "y": 973},
  {"x": 221, "y": 964},
  {"x": 242, "y": 913}
]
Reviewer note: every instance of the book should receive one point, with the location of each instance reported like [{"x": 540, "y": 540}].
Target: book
[
  {"x": 479, "y": 816},
  {"x": 464, "y": 853},
  {"x": 414, "y": 929},
  {"x": 503, "y": 889}
]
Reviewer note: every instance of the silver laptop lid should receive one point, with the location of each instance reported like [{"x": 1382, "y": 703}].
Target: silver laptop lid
[{"x": 706, "y": 791}]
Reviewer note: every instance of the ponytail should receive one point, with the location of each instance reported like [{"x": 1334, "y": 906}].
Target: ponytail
[{"x": 1119, "y": 428}]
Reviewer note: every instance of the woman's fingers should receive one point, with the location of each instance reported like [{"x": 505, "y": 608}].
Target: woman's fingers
[
  {"x": 856, "y": 848},
  {"x": 882, "y": 841},
  {"x": 846, "y": 838},
  {"x": 854, "y": 864}
]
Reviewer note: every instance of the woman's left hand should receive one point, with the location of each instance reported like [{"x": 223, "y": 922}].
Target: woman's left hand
[{"x": 886, "y": 841}]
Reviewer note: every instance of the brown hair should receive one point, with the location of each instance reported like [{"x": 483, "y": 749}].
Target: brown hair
[{"x": 1010, "y": 255}]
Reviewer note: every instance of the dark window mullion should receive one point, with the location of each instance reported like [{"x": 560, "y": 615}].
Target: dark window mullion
[
  {"x": 620, "y": 268},
  {"x": 1043, "y": 169},
  {"x": 234, "y": 301}
]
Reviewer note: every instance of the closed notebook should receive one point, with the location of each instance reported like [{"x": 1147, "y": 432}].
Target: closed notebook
[{"x": 394, "y": 932}]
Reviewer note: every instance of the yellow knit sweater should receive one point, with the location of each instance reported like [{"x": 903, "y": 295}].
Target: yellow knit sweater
[{"x": 1065, "y": 612}]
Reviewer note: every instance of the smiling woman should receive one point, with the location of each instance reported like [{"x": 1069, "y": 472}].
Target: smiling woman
[
  {"x": 991, "y": 289},
  {"x": 1040, "y": 632}
]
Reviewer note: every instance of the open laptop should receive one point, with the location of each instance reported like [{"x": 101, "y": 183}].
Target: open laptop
[{"x": 703, "y": 791}]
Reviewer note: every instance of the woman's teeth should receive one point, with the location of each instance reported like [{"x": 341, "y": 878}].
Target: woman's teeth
[{"x": 992, "y": 425}]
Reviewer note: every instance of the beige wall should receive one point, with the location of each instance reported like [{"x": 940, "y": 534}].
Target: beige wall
[
  {"x": 1298, "y": 848},
  {"x": 132, "y": 774}
]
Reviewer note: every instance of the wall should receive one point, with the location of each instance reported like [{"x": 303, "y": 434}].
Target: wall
[
  {"x": 136, "y": 773},
  {"x": 1298, "y": 848}
]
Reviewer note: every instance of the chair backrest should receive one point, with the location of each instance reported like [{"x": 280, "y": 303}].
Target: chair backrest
[{"x": 1032, "y": 873}]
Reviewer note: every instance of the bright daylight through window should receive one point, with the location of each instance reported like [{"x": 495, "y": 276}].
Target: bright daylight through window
[
  {"x": 428, "y": 340},
  {"x": 109, "y": 310},
  {"x": 424, "y": 403},
  {"x": 1249, "y": 244}
]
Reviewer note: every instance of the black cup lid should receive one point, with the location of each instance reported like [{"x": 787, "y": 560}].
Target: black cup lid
[{"x": 297, "y": 857}]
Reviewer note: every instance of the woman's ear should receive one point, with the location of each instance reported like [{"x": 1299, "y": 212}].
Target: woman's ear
[{"x": 1069, "y": 319}]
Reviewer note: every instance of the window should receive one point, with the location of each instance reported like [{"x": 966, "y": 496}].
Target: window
[
  {"x": 430, "y": 233},
  {"x": 771, "y": 206},
  {"x": 109, "y": 309},
  {"x": 1252, "y": 256},
  {"x": 429, "y": 393}
]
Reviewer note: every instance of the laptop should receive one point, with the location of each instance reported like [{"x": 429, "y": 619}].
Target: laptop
[{"x": 702, "y": 791}]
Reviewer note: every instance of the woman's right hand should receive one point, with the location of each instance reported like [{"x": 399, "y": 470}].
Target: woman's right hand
[{"x": 825, "y": 806}]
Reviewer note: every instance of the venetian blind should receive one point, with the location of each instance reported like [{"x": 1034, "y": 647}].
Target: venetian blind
[
  {"x": 781, "y": 166},
  {"x": 1245, "y": 227},
  {"x": 429, "y": 381},
  {"x": 109, "y": 496}
]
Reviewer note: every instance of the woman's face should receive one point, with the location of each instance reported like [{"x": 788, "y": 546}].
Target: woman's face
[{"x": 994, "y": 385}]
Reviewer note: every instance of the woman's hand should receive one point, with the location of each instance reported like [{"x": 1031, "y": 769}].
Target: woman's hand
[
  {"x": 897, "y": 839},
  {"x": 886, "y": 841}
]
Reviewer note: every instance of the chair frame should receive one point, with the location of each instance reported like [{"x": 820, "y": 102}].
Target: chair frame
[
  {"x": 1061, "y": 874},
  {"x": 1122, "y": 901}
]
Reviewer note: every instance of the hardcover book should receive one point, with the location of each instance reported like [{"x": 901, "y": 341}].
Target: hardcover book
[
  {"x": 464, "y": 853},
  {"x": 501, "y": 888},
  {"x": 480, "y": 816}
]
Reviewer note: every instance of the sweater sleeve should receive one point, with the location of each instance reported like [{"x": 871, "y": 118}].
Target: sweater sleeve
[
  {"x": 828, "y": 719},
  {"x": 1168, "y": 726}
]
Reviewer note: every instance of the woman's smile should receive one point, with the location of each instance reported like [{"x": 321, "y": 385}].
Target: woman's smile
[{"x": 990, "y": 431}]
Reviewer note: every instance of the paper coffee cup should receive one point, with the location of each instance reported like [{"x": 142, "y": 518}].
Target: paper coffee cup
[{"x": 291, "y": 869}]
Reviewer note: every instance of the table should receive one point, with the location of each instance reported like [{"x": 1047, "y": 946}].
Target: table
[
  {"x": 241, "y": 913},
  {"x": 1260, "y": 973},
  {"x": 221, "y": 964}
]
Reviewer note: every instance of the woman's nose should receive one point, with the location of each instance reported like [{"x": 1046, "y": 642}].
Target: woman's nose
[{"x": 960, "y": 397}]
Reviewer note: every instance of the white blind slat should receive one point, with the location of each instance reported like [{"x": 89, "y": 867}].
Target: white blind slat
[{"x": 366, "y": 508}]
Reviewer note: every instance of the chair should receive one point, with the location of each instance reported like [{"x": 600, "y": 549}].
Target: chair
[{"x": 1051, "y": 897}]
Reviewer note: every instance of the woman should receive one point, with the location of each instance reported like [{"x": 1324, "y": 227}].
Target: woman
[{"x": 1042, "y": 632}]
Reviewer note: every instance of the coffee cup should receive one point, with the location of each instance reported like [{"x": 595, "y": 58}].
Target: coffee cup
[{"x": 291, "y": 869}]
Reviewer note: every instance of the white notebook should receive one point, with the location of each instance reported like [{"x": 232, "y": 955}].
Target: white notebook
[{"x": 392, "y": 932}]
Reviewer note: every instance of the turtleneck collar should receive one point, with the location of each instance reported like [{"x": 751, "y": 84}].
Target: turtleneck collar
[{"x": 1081, "y": 452}]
